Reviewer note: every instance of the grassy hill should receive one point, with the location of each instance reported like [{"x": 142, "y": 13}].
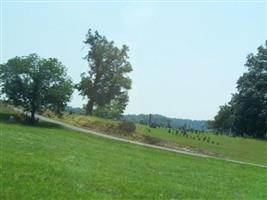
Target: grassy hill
[
  {"x": 236, "y": 148},
  {"x": 50, "y": 162}
]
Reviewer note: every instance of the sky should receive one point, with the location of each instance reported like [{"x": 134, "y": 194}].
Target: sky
[{"x": 186, "y": 57}]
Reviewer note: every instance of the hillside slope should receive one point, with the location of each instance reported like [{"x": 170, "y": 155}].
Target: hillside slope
[
  {"x": 222, "y": 146},
  {"x": 49, "y": 162}
]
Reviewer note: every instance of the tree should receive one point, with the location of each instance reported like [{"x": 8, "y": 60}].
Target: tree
[
  {"x": 106, "y": 79},
  {"x": 35, "y": 83},
  {"x": 246, "y": 113},
  {"x": 223, "y": 121},
  {"x": 250, "y": 104},
  {"x": 114, "y": 109},
  {"x": 149, "y": 119}
]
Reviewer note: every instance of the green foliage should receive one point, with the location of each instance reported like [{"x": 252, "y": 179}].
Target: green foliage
[
  {"x": 106, "y": 79},
  {"x": 224, "y": 119},
  {"x": 246, "y": 113},
  {"x": 35, "y": 83},
  {"x": 114, "y": 109}
]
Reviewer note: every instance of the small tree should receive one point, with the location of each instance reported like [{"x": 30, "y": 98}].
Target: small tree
[{"x": 35, "y": 83}]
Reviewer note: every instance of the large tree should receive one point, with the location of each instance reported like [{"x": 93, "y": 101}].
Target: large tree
[
  {"x": 114, "y": 109},
  {"x": 107, "y": 78},
  {"x": 35, "y": 83},
  {"x": 223, "y": 121},
  {"x": 246, "y": 113}
]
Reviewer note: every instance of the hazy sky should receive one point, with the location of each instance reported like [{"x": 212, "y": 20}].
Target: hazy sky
[{"x": 186, "y": 57}]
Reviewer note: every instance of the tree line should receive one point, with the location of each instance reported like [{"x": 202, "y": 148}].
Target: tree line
[
  {"x": 157, "y": 120},
  {"x": 36, "y": 84},
  {"x": 246, "y": 113}
]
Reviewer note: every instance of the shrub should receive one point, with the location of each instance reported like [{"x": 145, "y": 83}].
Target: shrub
[
  {"x": 127, "y": 127},
  {"x": 151, "y": 140}
]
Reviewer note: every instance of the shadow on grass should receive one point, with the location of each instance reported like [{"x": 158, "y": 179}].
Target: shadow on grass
[{"x": 18, "y": 119}]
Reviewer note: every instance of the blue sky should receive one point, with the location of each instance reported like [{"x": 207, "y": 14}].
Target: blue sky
[{"x": 186, "y": 57}]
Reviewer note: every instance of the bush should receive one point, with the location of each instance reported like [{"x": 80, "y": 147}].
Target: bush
[
  {"x": 127, "y": 127},
  {"x": 151, "y": 140}
]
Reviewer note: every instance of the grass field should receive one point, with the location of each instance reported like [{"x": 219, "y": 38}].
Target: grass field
[
  {"x": 49, "y": 162},
  {"x": 236, "y": 148}
]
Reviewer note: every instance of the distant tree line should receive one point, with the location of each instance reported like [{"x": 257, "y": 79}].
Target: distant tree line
[
  {"x": 77, "y": 110},
  {"x": 156, "y": 120},
  {"x": 246, "y": 113}
]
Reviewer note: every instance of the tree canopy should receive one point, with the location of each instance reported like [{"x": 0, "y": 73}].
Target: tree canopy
[
  {"x": 35, "y": 83},
  {"x": 246, "y": 113},
  {"x": 106, "y": 83}
]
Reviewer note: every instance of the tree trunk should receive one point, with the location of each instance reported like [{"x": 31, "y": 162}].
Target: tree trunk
[
  {"x": 32, "y": 119},
  {"x": 89, "y": 107}
]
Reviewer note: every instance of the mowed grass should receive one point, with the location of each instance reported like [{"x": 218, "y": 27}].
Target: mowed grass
[
  {"x": 236, "y": 148},
  {"x": 50, "y": 162}
]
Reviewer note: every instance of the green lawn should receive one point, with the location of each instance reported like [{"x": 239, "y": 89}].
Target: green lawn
[
  {"x": 236, "y": 148},
  {"x": 49, "y": 162}
]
